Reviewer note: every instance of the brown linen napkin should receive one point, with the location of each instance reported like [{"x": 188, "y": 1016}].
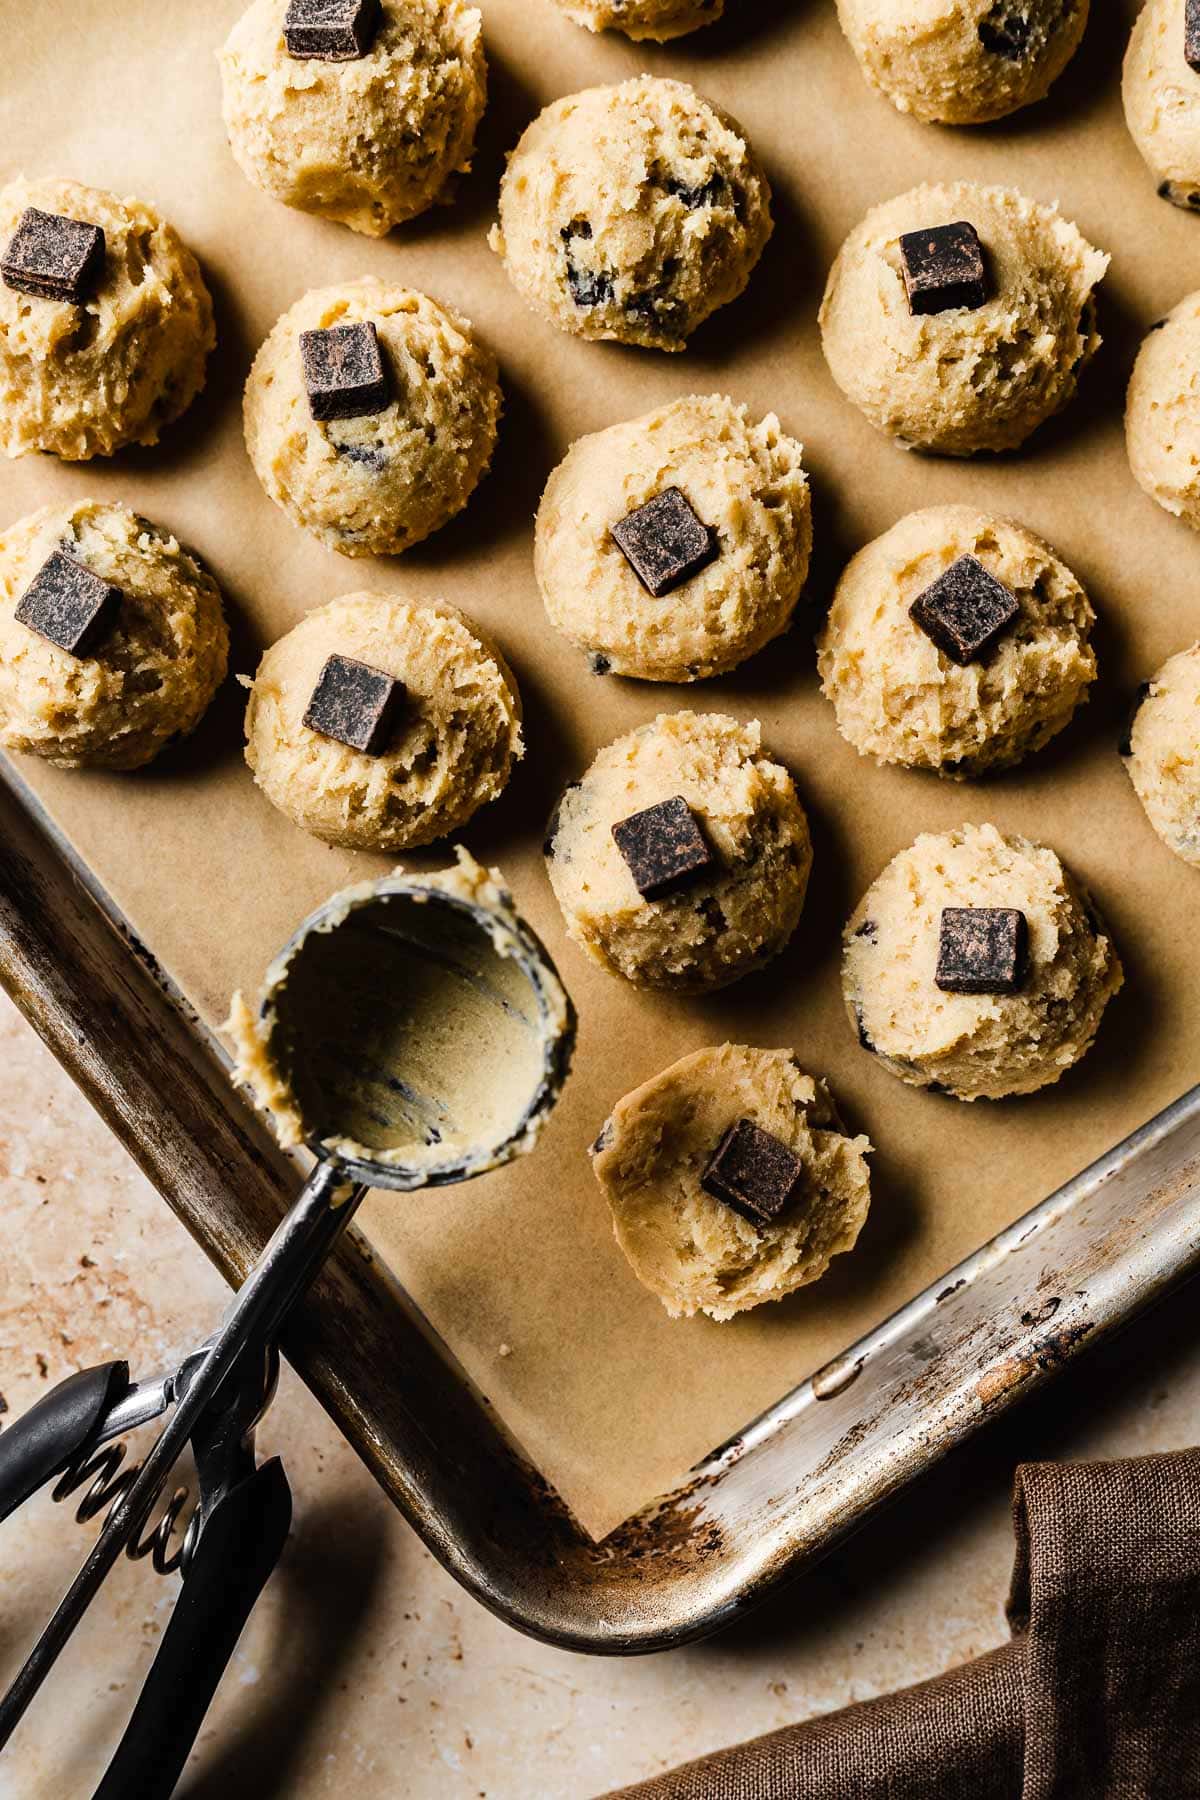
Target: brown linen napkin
[{"x": 1097, "y": 1697}]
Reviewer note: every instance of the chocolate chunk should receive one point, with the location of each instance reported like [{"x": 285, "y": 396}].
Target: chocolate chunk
[
  {"x": 943, "y": 268},
  {"x": 1005, "y": 31},
  {"x": 754, "y": 1172},
  {"x": 869, "y": 929},
  {"x": 53, "y": 257},
  {"x": 1125, "y": 747},
  {"x": 707, "y": 194},
  {"x": 344, "y": 375},
  {"x": 589, "y": 287},
  {"x": 68, "y": 605},
  {"x": 1191, "y": 35},
  {"x": 355, "y": 704},
  {"x": 664, "y": 542},
  {"x": 330, "y": 30},
  {"x": 370, "y": 456},
  {"x": 864, "y": 1036},
  {"x": 599, "y": 664},
  {"x": 982, "y": 950},
  {"x": 965, "y": 611},
  {"x": 663, "y": 846}
]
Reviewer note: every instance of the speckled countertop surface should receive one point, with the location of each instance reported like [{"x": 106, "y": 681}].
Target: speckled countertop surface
[{"x": 364, "y": 1669}]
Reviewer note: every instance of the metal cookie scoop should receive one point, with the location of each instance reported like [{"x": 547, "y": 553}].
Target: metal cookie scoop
[{"x": 414, "y": 1033}]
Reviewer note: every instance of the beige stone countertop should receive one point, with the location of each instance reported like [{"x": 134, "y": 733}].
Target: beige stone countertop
[{"x": 365, "y": 1670}]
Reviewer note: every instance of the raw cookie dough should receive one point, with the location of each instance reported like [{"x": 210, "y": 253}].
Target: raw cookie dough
[
  {"x": 369, "y": 142},
  {"x": 1162, "y": 101},
  {"x": 632, "y": 212},
  {"x": 1162, "y": 753},
  {"x": 658, "y": 20},
  {"x": 725, "y": 923},
  {"x": 977, "y": 1046},
  {"x": 81, "y": 381},
  {"x": 455, "y": 741},
  {"x": 375, "y": 485},
  {"x": 900, "y": 699},
  {"x": 967, "y": 379},
  {"x": 334, "y": 1059},
  {"x": 693, "y": 1251},
  {"x": 151, "y": 676},
  {"x": 1162, "y": 413},
  {"x": 962, "y": 62},
  {"x": 745, "y": 482}
]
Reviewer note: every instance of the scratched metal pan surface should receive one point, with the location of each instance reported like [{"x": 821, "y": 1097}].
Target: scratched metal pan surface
[{"x": 755, "y": 1512}]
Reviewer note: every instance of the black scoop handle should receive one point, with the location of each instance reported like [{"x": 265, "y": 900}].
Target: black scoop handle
[{"x": 47, "y": 1438}]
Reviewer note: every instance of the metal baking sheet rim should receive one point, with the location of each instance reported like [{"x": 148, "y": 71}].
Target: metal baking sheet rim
[{"x": 756, "y": 1511}]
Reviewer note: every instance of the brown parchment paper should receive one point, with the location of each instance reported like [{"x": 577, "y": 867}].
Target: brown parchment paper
[{"x": 611, "y": 1398}]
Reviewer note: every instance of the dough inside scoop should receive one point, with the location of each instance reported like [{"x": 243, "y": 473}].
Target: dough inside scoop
[{"x": 413, "y": 1025}]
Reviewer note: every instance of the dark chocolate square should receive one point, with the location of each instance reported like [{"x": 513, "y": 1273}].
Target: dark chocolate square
[
  {"x": 344, "y": 376},
  {"x": 943, "y": 268},
  {"x": 982, "y": 950},
  {"x": 663, "y": 846},
  {"x": 68, "y": 605},
  {"x": 965, "y": 611},
  {"x": 355, "y": 704},
  {"x": 330, "y": 30},
  {"x": 754, "y": 1172},
  {"x": 1191, "y": 35},
  {"x": 54, "y": 257},
  {"x": 665, "y": 543}
]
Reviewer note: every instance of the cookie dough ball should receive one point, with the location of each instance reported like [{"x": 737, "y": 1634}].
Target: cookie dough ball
[
  {"x": 1161, "y": 752},
  {"x": 1162, "y": 413},
  {"x": 369, "y": 142},
  {"x": 632, "y": 212},
  {"x": 901, "y": 699},
  {"x": 967, "y": 379},
  {"x": 151, "y": 672},
  {"x": 658, "y": 20},
  {"x": 1162, "y": 101},
  {"x": 730, "y": 918},
  {"x": 974, "y": 1045},
  {"x": 695, "y": 1252},
  {"x": 450, "y": 749},
  {"x": 962, "y": 62},
  {"x": 743, "y": 481},
  {"x": 83, "y": 380},
  {"x": 376, "y": 484}
]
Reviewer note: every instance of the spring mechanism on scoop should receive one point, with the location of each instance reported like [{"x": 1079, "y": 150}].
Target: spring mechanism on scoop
[{"x": 107, "y": 1481}]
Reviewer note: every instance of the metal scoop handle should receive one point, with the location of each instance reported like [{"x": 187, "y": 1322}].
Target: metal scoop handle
[{"x": 295, "y": 1252}]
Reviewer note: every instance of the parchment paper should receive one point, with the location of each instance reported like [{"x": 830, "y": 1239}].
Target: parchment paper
[{"x": 612, "y": 1399}]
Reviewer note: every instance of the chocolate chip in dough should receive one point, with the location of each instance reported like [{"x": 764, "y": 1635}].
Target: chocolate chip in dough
[
  {"x": 663, "y": 846},
  {"x": 665, "y": 543},
  {"x": 965, "y": 611},
  {"x": 982, "y": 950},
  {"x": 943, "y": 268},
  {"x": 68, "y": 605},
  {"x": 1191, "y": 35},
  {"x": 754, "y": 1172},
  {"x": 355, "y": 704},
  {"x": 344, "y": 376},
  {"x": 53, "y": 257},
  {"x": 330, "y": 30},
  {"x": 1005, "y": 31}
]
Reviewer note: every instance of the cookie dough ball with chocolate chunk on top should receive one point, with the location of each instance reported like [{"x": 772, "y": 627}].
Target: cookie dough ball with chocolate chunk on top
[
  {"x": 959, "y": 318},
  {"x": 1161, "y": 90},
  {"x": 957, "y": 642},
  {"x": 381, "y": 724},
  {"x": 977, "y": 966},
  {"x": 1162, "y": 413},
  {"x": 632, "y": 212},
  {"x": 370, "y": 415},
  {"x": 681, "y": 858},
  {"x": 658, "y": 20},
  {"x": 963, "y": 62},
  {"x": 732, "y": 1180},
  {"x": 675, "y": 545},
  {"x": 105, "y": 321},
  {"x": 1161, "y": 751},
  {"x": 113, "y": 638},
  {"x": 360, "y": 112}
]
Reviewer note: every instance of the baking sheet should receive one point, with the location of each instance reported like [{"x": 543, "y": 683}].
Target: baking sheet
[{"x": 519, "y": 1271}]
